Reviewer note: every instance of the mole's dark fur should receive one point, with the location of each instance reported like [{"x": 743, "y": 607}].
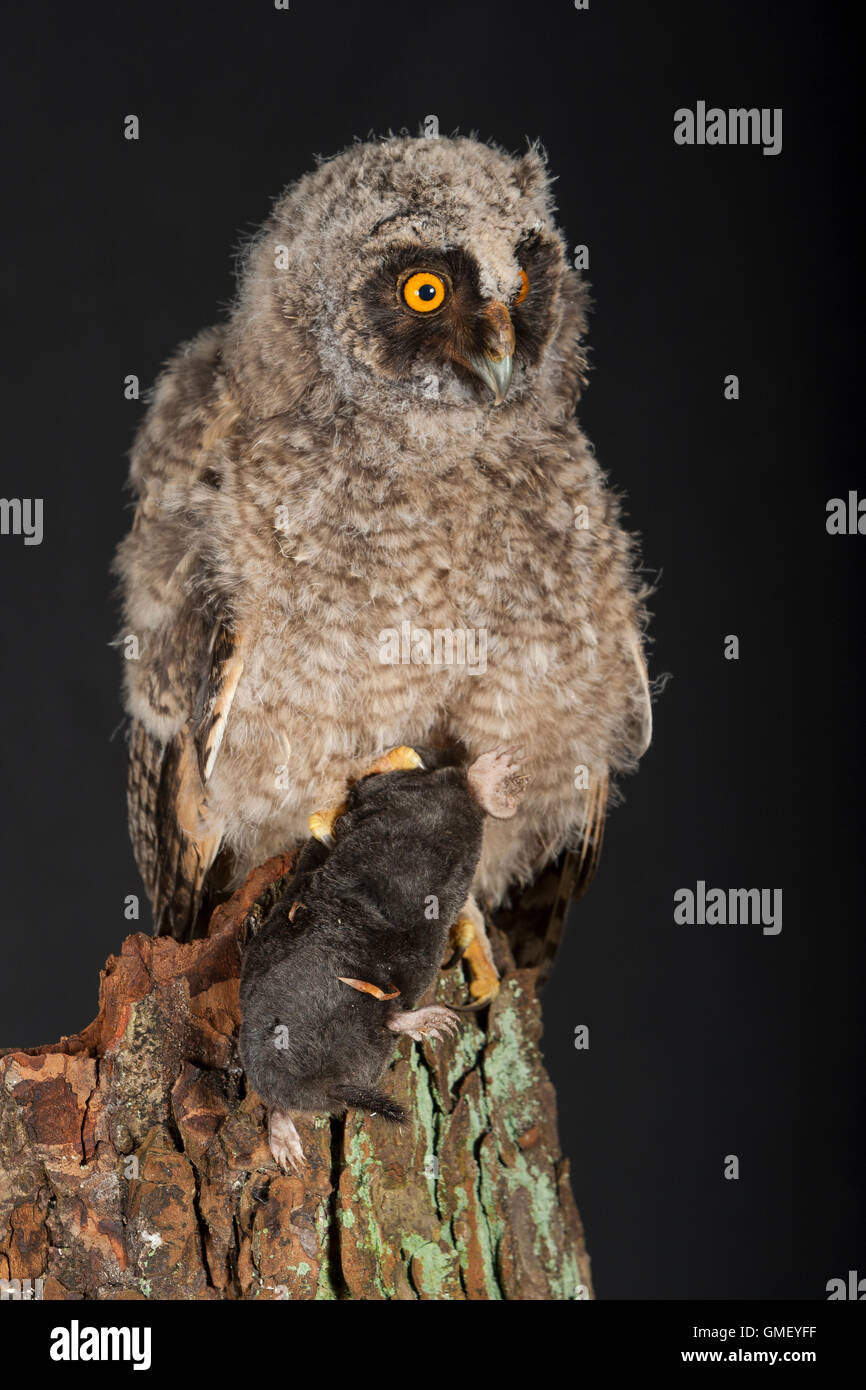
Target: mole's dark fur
[{"x": 404, "y": 838}]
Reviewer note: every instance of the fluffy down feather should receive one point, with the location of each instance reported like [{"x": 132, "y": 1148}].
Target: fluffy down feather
[{"x": 301, "y": 487}]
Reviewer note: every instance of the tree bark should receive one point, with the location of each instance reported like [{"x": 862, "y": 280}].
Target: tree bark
[{"x": 134, "y": 1164}]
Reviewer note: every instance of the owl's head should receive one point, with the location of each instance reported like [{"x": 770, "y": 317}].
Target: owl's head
[{"x": 426, "y": 271}]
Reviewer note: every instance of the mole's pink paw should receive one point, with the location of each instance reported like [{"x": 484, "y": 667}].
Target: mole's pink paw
[
  {"x": 497, "y": 781},
  {"x": 285, "y": 1141},
  {"x": 425, "y": 1023}
]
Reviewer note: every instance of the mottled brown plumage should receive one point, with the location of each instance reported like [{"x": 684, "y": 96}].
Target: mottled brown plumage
[{"x": 331, "y": 463}]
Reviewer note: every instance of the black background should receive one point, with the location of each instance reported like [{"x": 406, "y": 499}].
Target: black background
[{"x": 705, "y": 1041}]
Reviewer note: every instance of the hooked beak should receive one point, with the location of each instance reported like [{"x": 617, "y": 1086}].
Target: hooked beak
[{"x": 493, "y": 365}]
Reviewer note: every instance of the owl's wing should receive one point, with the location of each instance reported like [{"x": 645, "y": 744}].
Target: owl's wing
[
  {"x": 175, "y": 837},
  {"x": 188, "y": 660},
  {"x": 536, "y": 922}
]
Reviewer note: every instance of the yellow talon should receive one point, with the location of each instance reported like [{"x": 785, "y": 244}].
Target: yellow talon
[
  {"x": 401, "y": 759},
  {"x": 321, "y": 824},
  {"x": 483, "y": 979},
  {"x": 461, "y": 934}
]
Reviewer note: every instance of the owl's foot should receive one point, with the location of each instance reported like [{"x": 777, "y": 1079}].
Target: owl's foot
[
  {"x": 402, "y": 759},
  {"x": 460, "y": 938},
  {"x": 321, "y": 824},
  {"x": 469, "y": 940},
  {"x": 425, "y": 1023},
  {"x": 285, "y": 1141}
]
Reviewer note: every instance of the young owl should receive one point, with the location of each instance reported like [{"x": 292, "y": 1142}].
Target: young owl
[{"x": 365, "y": 479}]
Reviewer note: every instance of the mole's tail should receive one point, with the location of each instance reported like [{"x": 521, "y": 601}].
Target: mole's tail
[{"x": 366, "y": 1098}]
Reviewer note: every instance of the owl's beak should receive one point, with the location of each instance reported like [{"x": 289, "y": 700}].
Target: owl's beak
[{"x": 494, "y": 363}]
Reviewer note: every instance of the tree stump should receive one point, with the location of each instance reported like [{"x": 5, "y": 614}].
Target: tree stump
[{"x": 134, "y": 1163}]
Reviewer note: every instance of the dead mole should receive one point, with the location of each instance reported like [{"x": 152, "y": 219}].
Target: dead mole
[{"x": 360, "y": 933}]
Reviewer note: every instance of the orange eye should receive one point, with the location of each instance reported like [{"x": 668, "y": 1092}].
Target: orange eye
[
  {"x": 524, "y": 288},
  {"x": 424, "y": 291}
]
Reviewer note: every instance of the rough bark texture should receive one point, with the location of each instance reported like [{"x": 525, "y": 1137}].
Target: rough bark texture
[{"x": 133, "y": 1164}]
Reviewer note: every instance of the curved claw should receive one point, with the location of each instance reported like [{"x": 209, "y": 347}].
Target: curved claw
[
  {"x": 460, "y": 938},
  {"x": 485, "y": 989},
  {"x": 425, "y": 1022},
  {"x": 477, "y": 1006},
  {"x": 321, "y": 825},
  {"x": 470, "y": 943},
  {"x": 402, "y": 759},
  {"x": 285, "y": 1142}
]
